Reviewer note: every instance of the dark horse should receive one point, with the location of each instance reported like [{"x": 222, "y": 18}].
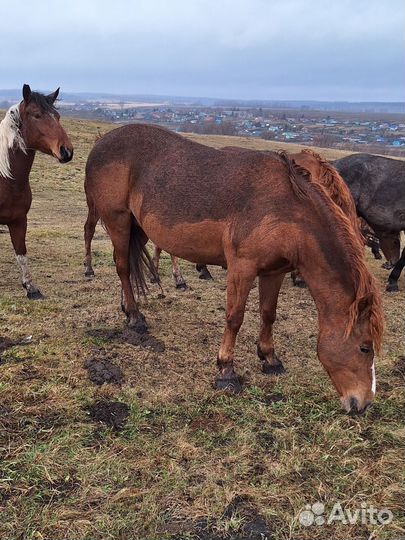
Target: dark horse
[
  {"x": 257, "y": 215},
  {"x": 28, "y": 126},
  {"x": 378, "y": 187}
]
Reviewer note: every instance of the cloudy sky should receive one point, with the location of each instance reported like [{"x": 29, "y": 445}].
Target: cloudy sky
[{"x": 263, "y": 49}]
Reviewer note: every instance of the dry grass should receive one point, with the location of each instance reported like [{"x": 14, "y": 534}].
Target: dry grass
[{"x": 189, "y": 457}]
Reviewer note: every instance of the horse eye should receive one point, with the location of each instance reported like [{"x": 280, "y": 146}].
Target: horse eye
[
  {"x": 37, "y": 115},
  {"x": 364, "y": 349}
]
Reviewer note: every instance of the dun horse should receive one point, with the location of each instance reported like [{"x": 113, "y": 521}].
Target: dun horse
[
  {"x": 28, "y": 126},
  {"x": 256, "y": 214}
]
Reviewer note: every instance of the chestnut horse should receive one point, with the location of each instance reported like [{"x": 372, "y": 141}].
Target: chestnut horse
[
  {"x": 257, "y": 215},
  {"x": 323, "y": 173},
  {"x": 28, "y": 126}
]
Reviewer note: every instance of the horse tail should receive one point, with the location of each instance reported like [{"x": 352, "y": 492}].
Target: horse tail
[{"x": 140, "y": 262}]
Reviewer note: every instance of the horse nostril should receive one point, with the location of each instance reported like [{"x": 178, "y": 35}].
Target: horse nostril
[
  {"x": 66, "y": 154},
  {"x": 354, "y": 406}
]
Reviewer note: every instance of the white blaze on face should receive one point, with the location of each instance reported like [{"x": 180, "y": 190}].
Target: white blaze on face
[{"x": 373, "y": 379}]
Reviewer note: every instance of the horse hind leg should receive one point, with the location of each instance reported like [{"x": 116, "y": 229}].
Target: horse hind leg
[
  {"x": 129, "y": 242},
  {"x": 202, "y": 269},
  {"x": 269, "y": 288},
  {"x": 177, "y": 275},
  {"x": 18, "y": 232},
  {"x": 298, "y": 280},
  {"x": 89, "y": 229}
]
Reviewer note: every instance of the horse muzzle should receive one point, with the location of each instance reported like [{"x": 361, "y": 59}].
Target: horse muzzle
[
  {"x": 354, "y": 407},
  {"x": 66, "y": 154}
]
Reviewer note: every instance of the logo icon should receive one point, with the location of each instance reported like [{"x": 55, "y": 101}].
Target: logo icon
[{"x": 312, "y": 515}]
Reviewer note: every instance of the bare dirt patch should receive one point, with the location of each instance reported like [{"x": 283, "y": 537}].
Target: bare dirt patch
[
  {"x": 102, "y": 370},
  {"x": 111, "y": 413},
  {"x": 126, "y": 335}
]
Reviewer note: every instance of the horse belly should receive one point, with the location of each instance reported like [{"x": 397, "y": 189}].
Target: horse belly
[{"x": 196, "y": 242}]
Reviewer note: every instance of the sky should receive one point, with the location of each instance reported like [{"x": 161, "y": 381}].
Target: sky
[{"x": 349, "y": 50}]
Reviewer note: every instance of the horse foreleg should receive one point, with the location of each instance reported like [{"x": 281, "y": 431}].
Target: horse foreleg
[
  {"x": 18, "y": 232},
  {"x": 119, "y": 230},
  {"x": 178, "y": 278},
  {"x": 269, "y": 288},
  {"x": 390, "y": 245},
  {"x": 392, "y": 285},
  {"x": 239, "y": 283},
  {"x": 89, "y": 229}
]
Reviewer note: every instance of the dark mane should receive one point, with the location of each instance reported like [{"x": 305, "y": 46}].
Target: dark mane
[
  {"x": 295, "y": 170},
  {"x": 42, "y": 102},
  {"x": 365, "y": 289}
]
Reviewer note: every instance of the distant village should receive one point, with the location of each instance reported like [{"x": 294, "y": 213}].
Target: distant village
[{"x": 364, "y": 131}]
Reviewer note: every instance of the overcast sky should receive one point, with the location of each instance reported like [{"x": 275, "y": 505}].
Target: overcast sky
[{"x": 263, "y": 49}]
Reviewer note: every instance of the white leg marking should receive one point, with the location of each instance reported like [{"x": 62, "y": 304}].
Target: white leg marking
[
  {"x": 22, "y": 261},
  {"x": 374, "y": 382}
]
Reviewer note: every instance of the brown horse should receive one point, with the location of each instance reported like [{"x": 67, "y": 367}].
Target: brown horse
[
  {"x": 28, "y": 126},
  {"x": 324, "y": 174},
  {"x": 256, "y": 214}
]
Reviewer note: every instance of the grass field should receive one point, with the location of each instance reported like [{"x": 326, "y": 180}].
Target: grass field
[{"x": 156, "y": 452}]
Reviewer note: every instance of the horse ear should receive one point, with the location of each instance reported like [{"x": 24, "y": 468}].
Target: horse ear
[
  {"x": 51, "y": 98},
  {"x": 26, "y": 92}
]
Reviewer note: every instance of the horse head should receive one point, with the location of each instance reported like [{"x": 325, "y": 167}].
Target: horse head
[{"x": 40, "y": 125}]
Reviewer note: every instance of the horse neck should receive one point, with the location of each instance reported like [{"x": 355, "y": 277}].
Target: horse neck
[
  {"x": 21, "y": 164},
  {"x": 328, "y": 278}
]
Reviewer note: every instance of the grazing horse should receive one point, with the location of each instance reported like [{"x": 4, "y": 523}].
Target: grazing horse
[
  {"x": 323, "y": 173},
  {"x": 257, "y": 215},
  {"x": 378, "y": 187},
  {"x": 33, "y": 124}
]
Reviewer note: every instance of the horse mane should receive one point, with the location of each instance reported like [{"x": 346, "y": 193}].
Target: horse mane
[
  {"x": 335, "y": 185},
  {"x": 10, "y": 138},
  {"x": 367, "y": 296},
  {"x": 294, "y": 171}
]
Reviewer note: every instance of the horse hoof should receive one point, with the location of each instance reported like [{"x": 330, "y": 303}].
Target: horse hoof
[
  {"x": 387, "y": 266},
  {"x": 35, "y": 295},
  {"x": 205, "y": 275},
  {"x": 181, "y": 286},
  {"x": 139, "y": 325},
  {"x": 89, "y": 273},
  {"x": 377, "y": 256},
  {"x": 270, "y": 369},
  {"x": 392, "y": 287},
  {"x": 232, "y": 385},
  {"x": 300, "y": 283}
]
